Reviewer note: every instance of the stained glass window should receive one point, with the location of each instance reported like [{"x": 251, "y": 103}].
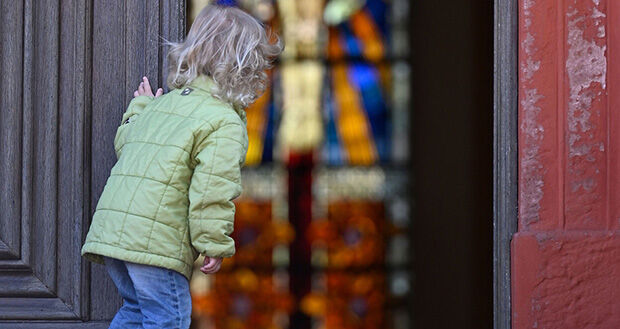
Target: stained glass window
[{"x": 322, "y": 227}]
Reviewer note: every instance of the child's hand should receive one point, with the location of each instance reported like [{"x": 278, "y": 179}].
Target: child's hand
[
  {"x": 145, "y": 89},
  {"x": 211, "y": 265}
]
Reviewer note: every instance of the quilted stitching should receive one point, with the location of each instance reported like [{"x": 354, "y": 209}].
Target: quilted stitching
[
  {"x": 165, "y": 189},
  {"x": 172, "y": 170},
  {"x": 153, "y": 179}
]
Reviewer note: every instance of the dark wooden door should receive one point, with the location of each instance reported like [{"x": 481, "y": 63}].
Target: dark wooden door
[{"x": 68, "y": 68}]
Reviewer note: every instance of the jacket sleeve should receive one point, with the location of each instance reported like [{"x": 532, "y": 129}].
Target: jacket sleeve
[
  {"x": 216, "y": 181},
  {"x": 136, "y": 106}
]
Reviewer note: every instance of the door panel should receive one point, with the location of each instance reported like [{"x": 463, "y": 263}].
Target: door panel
[{"x": 68, "y": 71}]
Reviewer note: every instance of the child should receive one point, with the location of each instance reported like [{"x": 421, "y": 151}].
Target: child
[{"x": 169, "y": 196}]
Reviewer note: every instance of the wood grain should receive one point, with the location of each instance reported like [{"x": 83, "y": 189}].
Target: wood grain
[{"x": 68, "y": 70}]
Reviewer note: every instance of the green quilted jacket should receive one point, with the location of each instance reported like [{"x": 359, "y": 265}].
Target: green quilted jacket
[{"x": 169, "y": 195}]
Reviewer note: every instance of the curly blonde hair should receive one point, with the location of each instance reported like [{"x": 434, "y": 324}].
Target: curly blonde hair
[{"x": 230, "y": 46}]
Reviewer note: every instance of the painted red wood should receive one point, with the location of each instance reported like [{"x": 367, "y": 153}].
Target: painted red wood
[
  {"x": 539, "y": 149},
  {"x": 566, "y": 254},
  {"x": 585, "y": 114},
  {"x": 613, "y": 115}
]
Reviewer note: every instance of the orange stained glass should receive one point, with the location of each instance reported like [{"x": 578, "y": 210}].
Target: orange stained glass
[
  {"x": 366, "y": 29},
  {"x": 385, "y": 76},
  {"x": 256, "y": 234},
  {"x": 351, "y": 301},
  {"x": 242, "y": 298},
  {"x": 352, "y": 123},
  {"x": 334, "y": 50},
  {"x": 256, "y": 117}
]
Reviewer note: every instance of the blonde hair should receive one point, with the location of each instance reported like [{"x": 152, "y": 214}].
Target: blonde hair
[{"x": 231, "y": 47}]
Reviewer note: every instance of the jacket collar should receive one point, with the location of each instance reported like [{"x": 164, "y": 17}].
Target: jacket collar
[
  {"x": 203, "y": 82},
  {"x": 206, "y": 83}
]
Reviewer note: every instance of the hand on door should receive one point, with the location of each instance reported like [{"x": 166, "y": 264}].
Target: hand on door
[{"x": 145, "y": 89}]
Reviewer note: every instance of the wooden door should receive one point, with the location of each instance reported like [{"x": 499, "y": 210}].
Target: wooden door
[{"x": 68, "y": 69}]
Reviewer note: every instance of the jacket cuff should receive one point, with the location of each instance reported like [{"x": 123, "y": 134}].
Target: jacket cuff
[{"x": 219, "y": 251}]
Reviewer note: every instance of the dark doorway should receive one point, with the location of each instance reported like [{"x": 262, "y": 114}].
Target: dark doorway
[{"x": 453, "y": 166}]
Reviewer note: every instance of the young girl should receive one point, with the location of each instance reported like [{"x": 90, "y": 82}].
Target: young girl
[{"x": 169, "y": 196}]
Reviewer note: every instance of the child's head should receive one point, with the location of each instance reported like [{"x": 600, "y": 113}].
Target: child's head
[{"x": 229, "y": 45}]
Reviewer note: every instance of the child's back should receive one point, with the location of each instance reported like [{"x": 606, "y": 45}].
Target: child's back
[
  {"x": 178, "y": 169},
  {"x": 169, "y": 196}
]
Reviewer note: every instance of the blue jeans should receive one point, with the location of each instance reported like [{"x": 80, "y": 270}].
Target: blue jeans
[{"x": 153, "y": 297}]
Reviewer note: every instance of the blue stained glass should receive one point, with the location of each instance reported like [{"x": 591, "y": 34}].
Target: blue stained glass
[
  {"x": 366, "y": 78},
  {"x": 351, "y": 44},
  {"x": 332, "y": 151},
  {"x": 378, "y": 10},
  {"x": 269, "y": 133}
]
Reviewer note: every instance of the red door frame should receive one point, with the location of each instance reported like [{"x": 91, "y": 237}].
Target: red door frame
[{"x": 566, "y": 253}]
